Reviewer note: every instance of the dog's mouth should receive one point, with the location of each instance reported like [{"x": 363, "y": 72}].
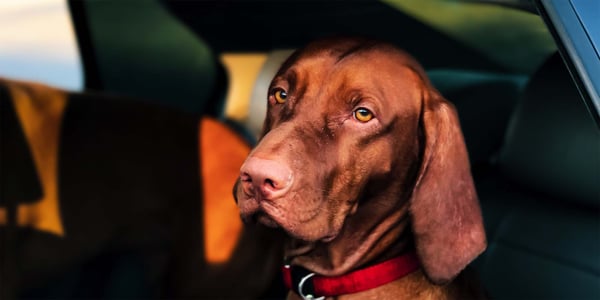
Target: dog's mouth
[
  {"x": 264, "y": 219},
  {"x": 256, "y": 214},
  {"x": 267, "y": 215}
]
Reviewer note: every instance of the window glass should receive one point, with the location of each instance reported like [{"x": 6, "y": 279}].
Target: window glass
[
  {"x": 37, "y": 43},
  {"x": 517, "y": 39}
]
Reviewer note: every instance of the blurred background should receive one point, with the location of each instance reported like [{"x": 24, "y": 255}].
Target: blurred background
[
  {"x": 124, "y": 124},
  {"x": 38, "y": 43}
]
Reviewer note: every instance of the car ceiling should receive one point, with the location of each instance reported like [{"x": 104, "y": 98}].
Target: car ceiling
[{"x": 250, "y": 26}]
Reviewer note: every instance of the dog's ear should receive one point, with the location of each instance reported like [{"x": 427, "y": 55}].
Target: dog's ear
[{"x": 446, "y": 218}]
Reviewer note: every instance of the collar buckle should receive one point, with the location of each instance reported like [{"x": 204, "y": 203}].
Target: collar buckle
[
  {"x": 309, "y": 294},
  {"x": 305, "y": 287}
]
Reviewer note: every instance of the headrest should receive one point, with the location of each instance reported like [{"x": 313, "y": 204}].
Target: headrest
[
  {"x": 483, "y": 123},
  {"x": 257, "y": 110},
  {"x": 142, "y": 51},
  {"x": 552, "y": 144}
]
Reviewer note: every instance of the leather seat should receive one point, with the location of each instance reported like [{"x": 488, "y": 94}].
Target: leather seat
[
  {"x": 484, "y": 102},
  {"x": 541, "y": 196}
]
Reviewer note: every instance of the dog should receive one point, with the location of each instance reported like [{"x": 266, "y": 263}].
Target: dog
[{"x": 363, "y": 164}]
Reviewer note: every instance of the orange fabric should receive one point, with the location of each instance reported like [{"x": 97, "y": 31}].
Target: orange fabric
[
  {"x": 222, "y": 153},
  {"x": 40, "y": 110}
]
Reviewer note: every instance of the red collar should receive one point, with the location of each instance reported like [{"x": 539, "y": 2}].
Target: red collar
[{"x": 310, "y": 286}]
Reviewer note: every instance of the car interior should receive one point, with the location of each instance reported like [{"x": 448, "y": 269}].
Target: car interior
[{"x": 173, "y": 100}]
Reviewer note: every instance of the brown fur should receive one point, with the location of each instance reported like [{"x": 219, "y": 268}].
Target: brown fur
[{"x": 360, "y": 193}]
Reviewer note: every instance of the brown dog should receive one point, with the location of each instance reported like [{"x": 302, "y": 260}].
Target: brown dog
[{"x": 361, "y": 161}]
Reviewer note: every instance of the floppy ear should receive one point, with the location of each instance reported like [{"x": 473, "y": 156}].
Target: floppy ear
[{"x": 446, "y": 218}]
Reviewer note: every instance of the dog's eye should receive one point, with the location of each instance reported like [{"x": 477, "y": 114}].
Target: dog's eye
[
  {"x": 280, "y": 96},
  {"x": 363, "y": 115}
]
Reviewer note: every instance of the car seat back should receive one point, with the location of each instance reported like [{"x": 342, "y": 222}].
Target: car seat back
[
  {"x": 137, "y": 48},
  {"x": 541, "y": 203}
]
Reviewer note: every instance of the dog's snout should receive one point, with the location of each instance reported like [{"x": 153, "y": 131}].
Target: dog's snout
[{"x": 271, "y": 179}]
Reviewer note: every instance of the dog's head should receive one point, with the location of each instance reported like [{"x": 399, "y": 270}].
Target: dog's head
[{"x": 352, "y": 120}]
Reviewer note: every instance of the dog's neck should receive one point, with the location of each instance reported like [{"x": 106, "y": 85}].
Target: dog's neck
[{"x": 379, "y": 230}]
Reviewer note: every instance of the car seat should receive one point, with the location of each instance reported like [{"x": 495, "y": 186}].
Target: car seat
[
  {"x": 138, "y": 49},
  {"x": 117, "y": 198},
  {"x": 541, "y": 197}
]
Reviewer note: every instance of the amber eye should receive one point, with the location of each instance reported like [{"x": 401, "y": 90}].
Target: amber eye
[
  {"x": 280, "y": 96},
  {"x": 363, "y": 115}
]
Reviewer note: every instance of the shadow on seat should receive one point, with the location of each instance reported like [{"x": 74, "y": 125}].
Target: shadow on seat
[{"x": 541, "y": 198}]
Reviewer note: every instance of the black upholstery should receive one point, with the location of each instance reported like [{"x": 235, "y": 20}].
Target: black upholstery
[
  {"x": 553, "y": 144},
  {"x": 541, "y": 199},
  {"x": 137, "y": 48},
  {"x": 130, "y": 205},
  {"x": 18, "y": 179},
  {"x": 484, "y": 102}
]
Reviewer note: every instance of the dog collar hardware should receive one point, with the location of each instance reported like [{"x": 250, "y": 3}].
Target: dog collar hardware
[
  {"x": 307, "y": 296},
  {"x": 315, "y": 287}
]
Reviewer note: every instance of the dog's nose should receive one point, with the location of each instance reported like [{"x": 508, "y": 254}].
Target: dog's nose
[{"x": 270, "y": 178}]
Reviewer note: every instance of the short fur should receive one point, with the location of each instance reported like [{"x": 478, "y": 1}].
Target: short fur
[{"x": 356, "y": 193}]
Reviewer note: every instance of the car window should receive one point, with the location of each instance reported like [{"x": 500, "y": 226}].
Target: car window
[
  {"x": 516, "y": 39},
  {"x": 37, "y": 43}
]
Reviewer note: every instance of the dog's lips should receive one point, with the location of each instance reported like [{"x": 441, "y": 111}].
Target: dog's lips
[
  {"x": 252, "y": 211},
  {"x": 248, "y": 207},
  {"x": 272, "y": 213},
  {"x": 329, "y": 238},
  {"x": 266, "y": 220},
  {"x": 273, "y": 216},
  {"x": 269, "y": 214}
]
